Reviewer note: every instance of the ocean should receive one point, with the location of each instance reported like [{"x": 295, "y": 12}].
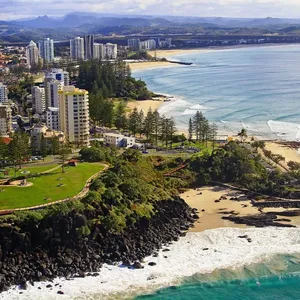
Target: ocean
[
  {"x": 209, "y": 265},
  {"x": 257, "y": 88},
  {"x": 263, "y": 281}
]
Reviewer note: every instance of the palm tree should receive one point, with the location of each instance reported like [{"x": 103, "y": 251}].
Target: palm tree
[{"x": 243, "y": 134}]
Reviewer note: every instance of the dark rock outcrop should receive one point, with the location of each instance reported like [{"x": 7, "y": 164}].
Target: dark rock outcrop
[{"x": 52, "y": 248}]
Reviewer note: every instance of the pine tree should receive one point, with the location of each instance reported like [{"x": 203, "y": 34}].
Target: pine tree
[
  {"x": 140, "y": 122},
  {"x": 156, "y": 126},
  {"x": 148, "y": 123},
  {"x": 120, "y": 116},
  {"x": 133, "y": 121},
  {"x": 191, "y": 130},
  {"x": 213, "y": 134},
  {"x": 64, "y": 151},
  {"x": 43, "y": 149},
  {"x": 19, "y": 149}
]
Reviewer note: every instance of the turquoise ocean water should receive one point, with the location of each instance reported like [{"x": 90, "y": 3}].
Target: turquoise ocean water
[
  {"x": 257, "y": 88},
  {"x": 278, "y": 279}
]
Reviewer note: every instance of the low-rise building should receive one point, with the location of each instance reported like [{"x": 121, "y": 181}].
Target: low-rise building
[
  {"x": 118, "y": 140},
  {"x": 41, "y": 135}
]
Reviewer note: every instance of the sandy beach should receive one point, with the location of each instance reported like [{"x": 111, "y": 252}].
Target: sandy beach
[
  {"x": 145, "y": 105},
  {"x": 204, "y": 199},
  {"x": 149, "y": 65},
  {"x": 135, "y": 66},
  {"x": 289, "y": 153},
  {"x": 170, "y": 53}
]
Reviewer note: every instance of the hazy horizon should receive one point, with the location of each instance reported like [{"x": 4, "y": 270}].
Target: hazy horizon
[{"x": 17, "y": 9}]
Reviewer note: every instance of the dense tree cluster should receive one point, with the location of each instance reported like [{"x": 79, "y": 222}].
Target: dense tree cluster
[
  {"x": 200, "y": 130},
  {"x": 111, "y": 80},
  {"x": 237, "y": 164}
]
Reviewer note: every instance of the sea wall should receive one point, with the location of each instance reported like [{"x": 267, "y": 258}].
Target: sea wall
[{"x": 54, "y": 248}]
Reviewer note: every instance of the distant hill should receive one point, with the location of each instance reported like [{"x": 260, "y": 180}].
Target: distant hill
[
  {"x": 76, "y": 20},
  {"x": 81, "y": 23}
]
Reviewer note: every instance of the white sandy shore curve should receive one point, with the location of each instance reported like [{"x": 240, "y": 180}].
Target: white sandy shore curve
[{"x": 201, "y": 252}]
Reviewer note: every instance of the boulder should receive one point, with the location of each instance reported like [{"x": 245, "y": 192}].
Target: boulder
[{"x": 137, "y": 265}]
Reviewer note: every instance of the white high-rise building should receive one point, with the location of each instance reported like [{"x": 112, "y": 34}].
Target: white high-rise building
[
  {"x": 134, "y": 44},
  {"x": 52, "y": 118},
  {"x": 38, "y": 99},
  {"x": 99, "y": 51},
  {"x": 74, "y": 114},
  {"x": 5, "y": 119},
  {"x": 111, "y": 51},
  {"x": 3, "y": 93},
  {"x": 46, "y": 49},
  {"x": 51, "y": 92},
  {"x": 59, "y": 75},
  {"x": 54, "y": 82},
  {"x": 148, "y": 45},
  {"x": 77, "y": 48},
  {"x": 32, "y": 54}
]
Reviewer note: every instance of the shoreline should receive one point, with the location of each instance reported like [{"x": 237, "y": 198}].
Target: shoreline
[
  {"x": 145, "y": 105},
  {"x": 170, "y": 53},
  {"x": 197, "y": 253}
]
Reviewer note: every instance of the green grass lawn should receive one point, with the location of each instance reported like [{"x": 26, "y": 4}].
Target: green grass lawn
[
  {"x": 33, "y": 169},
  {"x": 47, "y": 187}
]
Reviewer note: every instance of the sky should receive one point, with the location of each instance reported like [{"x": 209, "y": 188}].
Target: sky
[{"x": 15, "y": 9}]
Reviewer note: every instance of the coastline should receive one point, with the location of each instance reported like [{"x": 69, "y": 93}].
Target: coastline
[
  {"x": 145, "y": 105},
  {"x": 197, "y": 253}
]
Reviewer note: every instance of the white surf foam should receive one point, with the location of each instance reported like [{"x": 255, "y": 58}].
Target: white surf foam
[
  {"x": 175, "y": 107},
  {"x": 285, "y": 130},
  {"x": 185, "y": 258}
]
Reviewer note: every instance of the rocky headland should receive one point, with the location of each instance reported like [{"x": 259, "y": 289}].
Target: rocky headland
[{"x": 31, "y": 252}]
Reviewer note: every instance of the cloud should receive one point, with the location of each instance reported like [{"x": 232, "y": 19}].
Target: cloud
[{"x": 12, "y": 9}]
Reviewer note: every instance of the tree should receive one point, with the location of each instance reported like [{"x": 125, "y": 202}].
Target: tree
[
  {"x": 258, "y": 144},
  {"x": 92, "y": 154},
  {"x": 133, "y": 121},
  {"x": 190, "y": 130},
  {"x": 120, "y": 116},
  {"x": 156, "y": 126},
  {"x": 213, "y": 133},
  {"x": 167, "y": 130},
  {"x": 54, "y": 145},
  {"x": 44, "y": 149},
  {"x": 148, "y": 123},
  {"x": 64, "y": 151},
  {"x": 19, "y": 149},
  {"x": 140, "y": 122},
  {"x": 243, "y": 134},
  {"x": 3, "y": 150}
]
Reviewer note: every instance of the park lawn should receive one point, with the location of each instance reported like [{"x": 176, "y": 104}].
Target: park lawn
[
  {"x": 33, "y": 169},
  {"x": 46, "y": 188}
]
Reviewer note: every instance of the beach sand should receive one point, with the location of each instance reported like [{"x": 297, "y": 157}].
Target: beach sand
[
  {"x": 170, "y": 53},
  {"x": 145, "y": 105},
  {"x": 212, "y": 216},
  {"x": 287, "y": 152},
  {"x": 150, "y": 65}
]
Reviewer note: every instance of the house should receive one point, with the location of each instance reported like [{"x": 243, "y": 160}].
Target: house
[{"x": 118, "y": 140}]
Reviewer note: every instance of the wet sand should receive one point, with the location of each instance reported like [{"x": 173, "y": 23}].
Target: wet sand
[{"x": 212, "y": 216}]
